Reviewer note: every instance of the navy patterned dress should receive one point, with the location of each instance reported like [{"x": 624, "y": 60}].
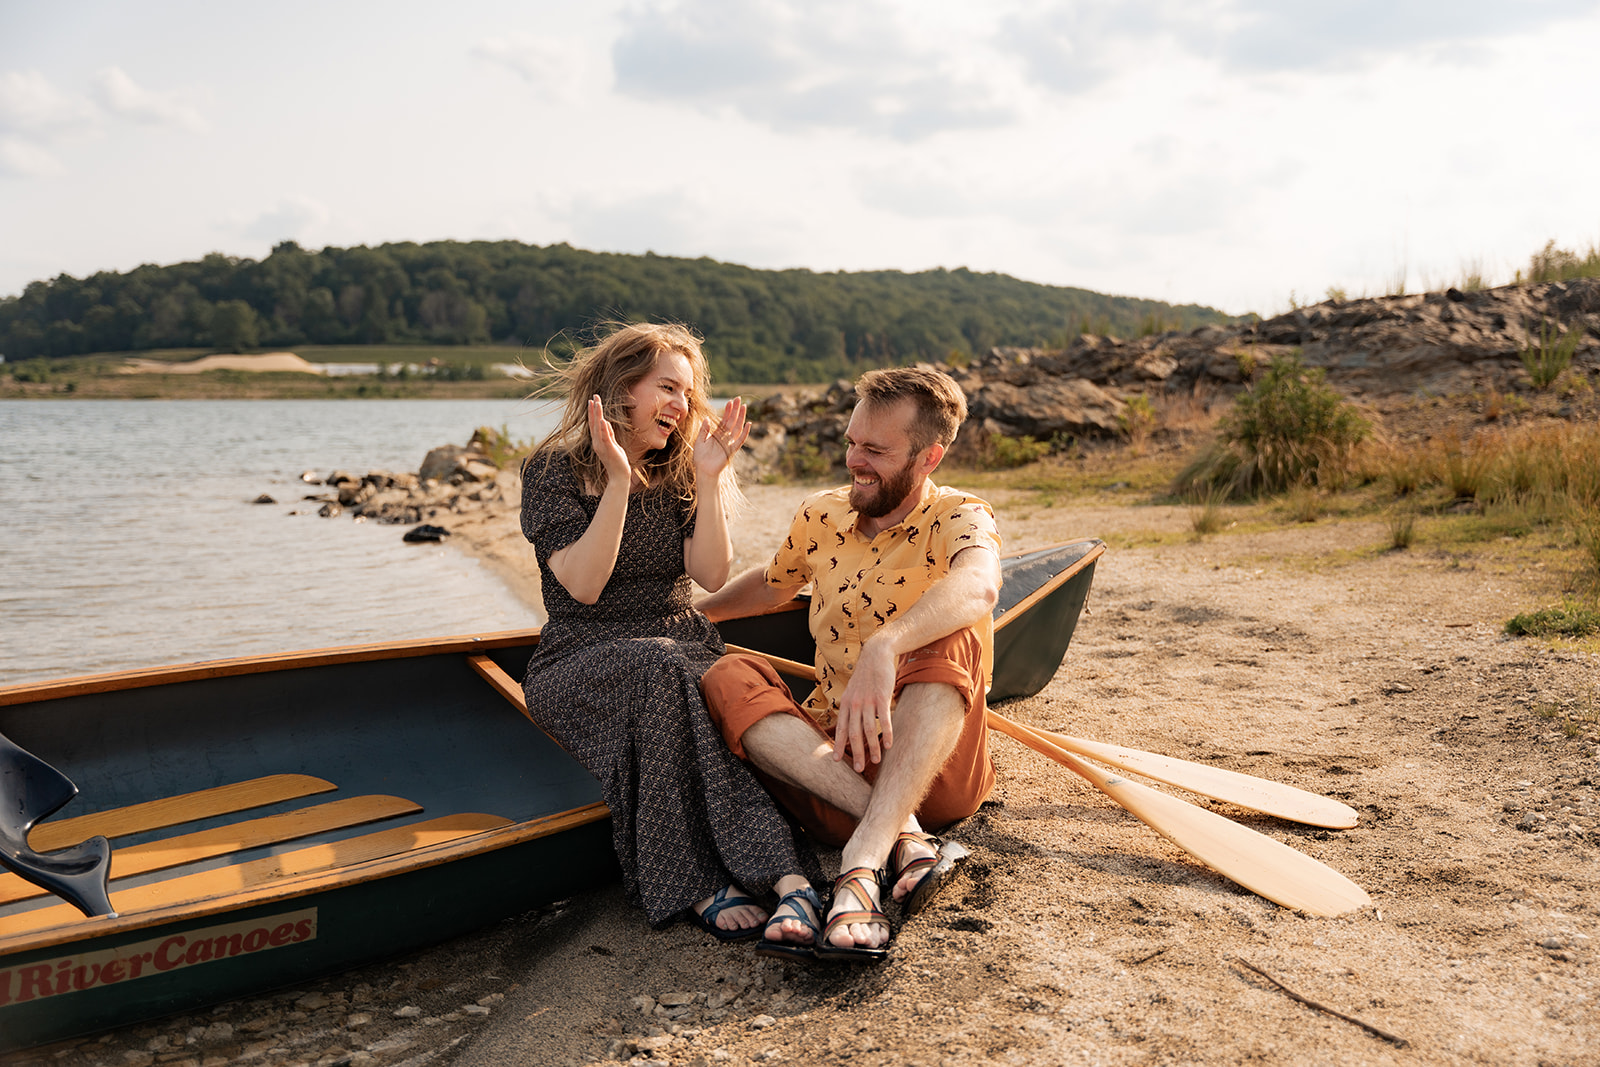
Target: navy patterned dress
[{"x": 617, "y": 683}]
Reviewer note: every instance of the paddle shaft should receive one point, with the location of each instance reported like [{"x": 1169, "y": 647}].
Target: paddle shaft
[{"x": 1245, "y": 790}]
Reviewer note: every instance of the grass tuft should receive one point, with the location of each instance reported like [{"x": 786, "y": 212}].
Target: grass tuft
[{"x": 1572, "y": 618}]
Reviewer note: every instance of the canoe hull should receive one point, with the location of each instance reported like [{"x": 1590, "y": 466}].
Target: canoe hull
[{"x": 331, "y": 931}]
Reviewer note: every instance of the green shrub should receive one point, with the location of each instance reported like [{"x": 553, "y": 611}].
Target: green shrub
[
  {"x": 1287, "y": 428},
  {"x": 1002, "y": 453},
  {"x": 806, "y": 462},
  {"x": 1572, "y": 619},
  {"x": 1137, "y": 419},
  {"x": 1402, "y": 526},
  {"x": 1552, "y": 264},
  {"x": 1546, "y": 360},
  {"x": 1205, "y": 510}
]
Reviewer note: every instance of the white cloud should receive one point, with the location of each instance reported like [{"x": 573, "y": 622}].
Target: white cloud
[
  {"x": 855, "y": 65},
  {"x": 30, "y": 104},
  {"x": 123, "y": 97},
  {"x": 291, "y": 218},
  {"x": 20, "y": 158},
  {"x": 556, "y": 69}
]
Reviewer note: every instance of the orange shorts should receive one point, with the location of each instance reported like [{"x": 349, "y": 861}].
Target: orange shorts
[{"x": 740, "y": 690}]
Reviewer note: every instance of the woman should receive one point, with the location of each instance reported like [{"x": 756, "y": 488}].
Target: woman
[{"x": 625, "y": 502}]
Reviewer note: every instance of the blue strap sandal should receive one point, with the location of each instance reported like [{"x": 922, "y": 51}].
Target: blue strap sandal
[
  {"x": 726, "y": 897},
  {"x": 778, "y": 947}
]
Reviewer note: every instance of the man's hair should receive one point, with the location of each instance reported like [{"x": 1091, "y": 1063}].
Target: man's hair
[{"x": 941, "y": 406}]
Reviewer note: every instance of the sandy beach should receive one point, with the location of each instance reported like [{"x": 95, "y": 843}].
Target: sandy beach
[{"x": 1309, "y": 654}]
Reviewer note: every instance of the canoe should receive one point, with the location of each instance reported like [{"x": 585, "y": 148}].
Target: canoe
[{"x": 276, "y": 818}]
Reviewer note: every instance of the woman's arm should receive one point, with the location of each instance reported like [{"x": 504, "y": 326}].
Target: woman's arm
[
  {"x": 708, "y": 555},
  {"x": 584, "y": 567}
]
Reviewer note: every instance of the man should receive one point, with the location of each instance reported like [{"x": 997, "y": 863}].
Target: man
[{"x": 904, "y": 577}]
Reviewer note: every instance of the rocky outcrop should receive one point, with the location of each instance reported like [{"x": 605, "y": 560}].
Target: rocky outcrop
[
  {"x": 1444, "y": 343},
  {"x": 452, "y": 479}
]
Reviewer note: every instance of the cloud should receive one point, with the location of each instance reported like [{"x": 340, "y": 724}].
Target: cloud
[
  {"x": 20, "y": 158},
  {"x": 1072, "y": 48},
  {"x": 552, "y": 67},
  {"x": 858, "y": 66},
  {"x": 29, "y": 104},
  {"x": 292, "y": 217},
  {"x": 120, "y": 95}
]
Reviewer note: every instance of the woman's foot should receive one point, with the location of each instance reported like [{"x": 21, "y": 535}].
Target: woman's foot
[
  {"x": 730, "y": 914},
  {"x": 796, "y": 923}
]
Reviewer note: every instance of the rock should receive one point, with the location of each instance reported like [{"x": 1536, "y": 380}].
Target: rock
[
  {"x": 455, "y": 464},
  {"x": 410, "y": 1011},
  {"x": 310, "y": 478},
  {"x": 426, "y": 534},
  {"x": 263, "y": 499},
  {"x": 328, "y": 511},
  {"x": 761, "y": 1022}
]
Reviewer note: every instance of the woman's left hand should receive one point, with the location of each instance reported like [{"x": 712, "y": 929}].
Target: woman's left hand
[{"x": 717, "y": 446}]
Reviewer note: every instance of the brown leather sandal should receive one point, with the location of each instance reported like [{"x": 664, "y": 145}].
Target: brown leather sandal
[
  {"x": 938, "y": 867},
  {"x": 855, "y": 880}
]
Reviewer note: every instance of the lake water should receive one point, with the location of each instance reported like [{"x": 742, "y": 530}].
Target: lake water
[{"x": 130, "y": 540}]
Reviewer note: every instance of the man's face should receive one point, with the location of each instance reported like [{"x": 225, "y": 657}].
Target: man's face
[{"x": 883, "y": 468}]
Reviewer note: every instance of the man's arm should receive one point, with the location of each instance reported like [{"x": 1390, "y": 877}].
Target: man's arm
[
  {"x": 746, "y": 594},
  {"x": 959, "y": 599}
]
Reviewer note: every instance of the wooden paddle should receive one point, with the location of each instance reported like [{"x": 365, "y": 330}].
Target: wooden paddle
[
  {"x": 1245, "y": 790},
  {"x": 1255, "y": 861}
]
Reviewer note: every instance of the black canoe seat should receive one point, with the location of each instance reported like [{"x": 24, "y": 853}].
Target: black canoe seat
[
  {"x": 315, "y": 862},
  {"x": 30, "y": 790}
]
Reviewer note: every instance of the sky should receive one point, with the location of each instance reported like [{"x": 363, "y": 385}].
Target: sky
[{"x": 1242, "y": 154}]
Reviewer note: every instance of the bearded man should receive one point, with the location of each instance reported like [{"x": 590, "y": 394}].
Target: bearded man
[{"x": 904, "y": 577}]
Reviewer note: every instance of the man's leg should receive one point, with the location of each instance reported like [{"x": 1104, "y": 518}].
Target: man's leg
[{"x": 927, "y": 723}]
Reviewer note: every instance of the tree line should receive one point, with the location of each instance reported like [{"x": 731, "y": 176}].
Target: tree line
[{"x": 759, "y": 325}]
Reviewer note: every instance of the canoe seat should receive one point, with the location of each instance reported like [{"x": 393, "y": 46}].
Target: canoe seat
[
  {"x": 30, "y": 790},
  {"x": 189, "y": 848},
  {"x": 322, "y": 861}
]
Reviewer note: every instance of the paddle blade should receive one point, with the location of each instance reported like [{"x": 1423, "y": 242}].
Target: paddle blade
[
  {"x": 1257, "y": 862},
  {"x": 1245, "y": 790}
]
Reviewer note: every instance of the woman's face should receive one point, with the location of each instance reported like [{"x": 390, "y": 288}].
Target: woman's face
[{"x": 658, "y": 403}]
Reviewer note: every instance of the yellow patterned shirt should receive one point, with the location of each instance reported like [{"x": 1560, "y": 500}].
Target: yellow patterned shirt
[{"x": 859, "y": 583}]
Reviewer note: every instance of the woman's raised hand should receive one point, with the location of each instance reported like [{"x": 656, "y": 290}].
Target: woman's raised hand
[
  {"x": 612, "y": 455},
  {"x": 717, "y": 446}
]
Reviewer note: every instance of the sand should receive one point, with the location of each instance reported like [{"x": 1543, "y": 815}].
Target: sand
[
  {"x": 267, "y": 361},
  {"x": 1310, "y": 655}
]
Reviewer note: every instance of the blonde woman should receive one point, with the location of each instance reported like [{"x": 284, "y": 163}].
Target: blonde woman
[{"x": 625, "y": 502}]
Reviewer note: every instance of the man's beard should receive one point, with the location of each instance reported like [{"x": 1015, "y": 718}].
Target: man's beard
[{"x": 891, "y": 492}]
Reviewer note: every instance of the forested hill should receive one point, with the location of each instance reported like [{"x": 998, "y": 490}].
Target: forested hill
[{"x": 760, "y": 325}]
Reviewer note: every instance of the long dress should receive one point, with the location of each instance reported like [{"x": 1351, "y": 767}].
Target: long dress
[{"x": 617, "y": 683}]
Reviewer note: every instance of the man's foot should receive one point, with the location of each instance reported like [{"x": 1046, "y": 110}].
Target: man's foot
[
  {"x": 857, "y": 928},
  {"x": 729, "y": 914},
  {"x": 795, "y": 927},
  {"x": 921, "y": 866}
]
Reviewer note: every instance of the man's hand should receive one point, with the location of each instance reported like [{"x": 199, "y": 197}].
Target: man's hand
[{"x": 865, "y": 707}]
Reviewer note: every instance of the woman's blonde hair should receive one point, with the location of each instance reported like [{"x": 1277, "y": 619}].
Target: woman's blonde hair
[{"x": 609, "y": 368}]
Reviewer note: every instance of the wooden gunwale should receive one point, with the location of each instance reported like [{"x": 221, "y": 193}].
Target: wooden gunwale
[
  {"x": 309, "y": 884},
  {"x": 35, "y": 692},
  {"x": 1021, "y": 607}
]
